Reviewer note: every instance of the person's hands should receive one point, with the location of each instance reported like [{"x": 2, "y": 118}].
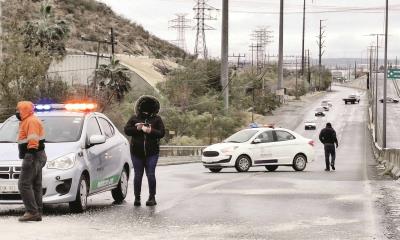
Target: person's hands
[
  {"x": 146, "y": 129},
  {"x": 139, "y": 126},
  {"x": 337, "y": 145}
]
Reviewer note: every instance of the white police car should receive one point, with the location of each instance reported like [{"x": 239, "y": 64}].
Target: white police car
[
  {"x": 269, "y": 147},
  {"x": 86, "y": 155}
]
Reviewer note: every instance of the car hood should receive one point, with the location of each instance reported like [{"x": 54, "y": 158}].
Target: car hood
[
  {"x": 220, "y": 146},
  {"x": 9, "y": 151}
]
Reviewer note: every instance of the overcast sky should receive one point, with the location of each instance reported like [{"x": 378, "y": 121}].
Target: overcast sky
[{"x": 347, "y": 23}]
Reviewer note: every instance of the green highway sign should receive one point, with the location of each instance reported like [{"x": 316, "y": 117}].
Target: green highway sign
[{"x": 394, "y": 73}]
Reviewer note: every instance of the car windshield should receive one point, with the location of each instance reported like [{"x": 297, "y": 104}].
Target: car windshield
[
  {"x": 242, "y": 136},
  {"x": 57, "y": 129}
]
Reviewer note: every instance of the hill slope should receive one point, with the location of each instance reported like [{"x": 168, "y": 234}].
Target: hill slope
[{"x": 93, "y": 20}]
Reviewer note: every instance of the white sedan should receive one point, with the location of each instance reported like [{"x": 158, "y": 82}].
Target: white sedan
[{"x": 269, "y": 147}]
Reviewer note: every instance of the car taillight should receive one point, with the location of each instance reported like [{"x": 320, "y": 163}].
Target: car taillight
[{"x": 311, "y": 142}]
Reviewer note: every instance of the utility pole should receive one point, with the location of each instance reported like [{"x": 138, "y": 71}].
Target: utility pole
[
  {"x": 377, "y": 35},
  {"x": 99, "y": 43},
  {"x": 321, "y": 45},
  {"x": 355, "y": 69},
  {"x": 297, "y": 90},
  {"x": 385, "y": 75},
  {"x": 224, "y": 52},
  {"x": 280, "y": 60},
  {"x": 202, "y": 14},
  {"x": 238, "y": 57},
  {"x": 181, "y": 23},
  {"x": 309, "y": 68}
]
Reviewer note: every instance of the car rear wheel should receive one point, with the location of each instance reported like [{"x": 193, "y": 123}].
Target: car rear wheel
[
  {"x": 271, "y": 168},
  {"x": 299, "y": 162},
  {"x": 119, "y": 193},
  {"x": 215, "y": 170},
  {"x": 80, "y": 203},
  {"x": 243, "y": 163}
]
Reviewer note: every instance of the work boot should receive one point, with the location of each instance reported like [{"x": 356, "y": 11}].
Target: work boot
[
  {"x": 327, "y": 169},
  {"x": 333, "y": 167},
  {"x": 137, "y": 201},
  {"x": 151, "y": 201},
  {"x": 30, "y": 217}
]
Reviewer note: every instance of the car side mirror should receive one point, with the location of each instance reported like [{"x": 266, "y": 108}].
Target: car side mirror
[
  {"x": 257, "y": 141},
  {"x": 96, "y": 140}
]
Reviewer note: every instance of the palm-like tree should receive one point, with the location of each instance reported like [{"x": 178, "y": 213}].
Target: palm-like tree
[
  {"x": 46, "y": 35},
  {"x": 113, "y": 78}
]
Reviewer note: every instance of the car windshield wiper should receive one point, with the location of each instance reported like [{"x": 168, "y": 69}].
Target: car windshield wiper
[{"x": 233, "y": 142}]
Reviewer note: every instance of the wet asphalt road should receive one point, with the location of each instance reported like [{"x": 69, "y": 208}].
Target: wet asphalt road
[
  {"x": 197, "y": 204},
  {"x": 393, "y": 114}
]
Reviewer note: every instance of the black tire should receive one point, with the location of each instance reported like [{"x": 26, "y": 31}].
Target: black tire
[
  {"x": 80, "y": 203},
  {"x": 243, "y": 163},
  {"x": 271, "y": 168},
  {"x": 119, "y": 193},
  {"x": 299, "y": 162},
  {"x": 215, "y": 170}
]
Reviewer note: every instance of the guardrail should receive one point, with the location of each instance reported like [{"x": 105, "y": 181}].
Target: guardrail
[
  {"x": 170, "y": 155},
  {"x": 387, "y": 158}
]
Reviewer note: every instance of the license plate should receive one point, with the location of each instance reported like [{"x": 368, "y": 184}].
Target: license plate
[{"x": 8, "y": 188}]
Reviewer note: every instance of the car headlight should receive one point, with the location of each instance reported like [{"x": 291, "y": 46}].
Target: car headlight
[
  {"x": 63, "y": 163},
  {"x": 229, "y": 150}
]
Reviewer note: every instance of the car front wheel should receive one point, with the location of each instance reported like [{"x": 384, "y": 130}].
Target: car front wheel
[
  {"x": 80, "y": 203},
  {"x": 299, "y": 162},
  {"x": 243, "y": 163},
  {"x": 119, "y": 193}
]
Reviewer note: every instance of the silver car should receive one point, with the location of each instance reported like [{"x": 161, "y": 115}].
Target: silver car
[{"x": 86, "y": 155}]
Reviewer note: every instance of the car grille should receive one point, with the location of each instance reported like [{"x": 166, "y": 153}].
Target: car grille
[
  {"x": 11, "y": 172},
  {"x": 210, "y": 154}
]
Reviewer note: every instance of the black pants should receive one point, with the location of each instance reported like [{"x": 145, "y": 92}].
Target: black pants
[
  {"x": 30, "y": 181},
  {"x": 329, "y": 151},
  {"x": 141, "y": 165}
]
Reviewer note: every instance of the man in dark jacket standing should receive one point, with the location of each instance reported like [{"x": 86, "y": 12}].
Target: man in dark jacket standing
[
  {"x": 329, "y": 139},
  {"x": 146, "y": 129}
]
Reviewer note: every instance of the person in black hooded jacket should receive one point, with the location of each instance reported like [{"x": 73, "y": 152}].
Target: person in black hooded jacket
[
  {"x": 329, "y": 139},
  {"x": 146, "y": 129}
]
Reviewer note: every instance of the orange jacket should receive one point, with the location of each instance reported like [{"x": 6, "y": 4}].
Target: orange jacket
[{"x": 31, "y": 132}]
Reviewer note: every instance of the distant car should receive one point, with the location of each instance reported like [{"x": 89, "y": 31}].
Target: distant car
[
  {"x": 326, "y": 103},
  {"x": 310, "y": 125},
  {"x": 354, "y": 98},
  {"x": 319, "y": 112},
  {"x": 268, "y": 147},
  {"x": 389, "y": 100}
]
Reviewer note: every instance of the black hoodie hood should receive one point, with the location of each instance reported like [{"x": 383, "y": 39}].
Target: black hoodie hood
[{"x": 148, "y": 104}]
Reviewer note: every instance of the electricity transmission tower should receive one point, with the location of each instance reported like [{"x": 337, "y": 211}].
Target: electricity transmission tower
[
  {"x": 202, "y": 14},
  {"x": 261, "y": 37},
  {"x": 181, "y": 23}
]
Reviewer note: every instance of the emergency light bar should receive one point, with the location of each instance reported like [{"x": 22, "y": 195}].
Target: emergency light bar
[{"x": 73, "y": 107}]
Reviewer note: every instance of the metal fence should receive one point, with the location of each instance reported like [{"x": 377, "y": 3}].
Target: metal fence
[{"x": 180, "y": 154}]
